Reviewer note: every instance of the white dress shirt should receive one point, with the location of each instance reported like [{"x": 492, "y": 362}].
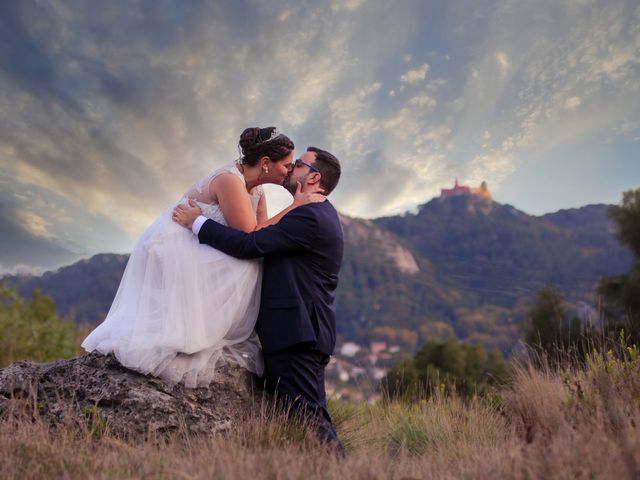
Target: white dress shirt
[{"x": 197, "y": 224}]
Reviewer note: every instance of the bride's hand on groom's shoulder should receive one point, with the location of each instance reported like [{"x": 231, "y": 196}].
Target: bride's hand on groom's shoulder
[
  {"x": 302, "y": 198},
  {"x": 185, "y": 215}
]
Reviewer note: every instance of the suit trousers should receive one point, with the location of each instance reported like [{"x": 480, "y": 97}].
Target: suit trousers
[{"x": 296, "y": 376}]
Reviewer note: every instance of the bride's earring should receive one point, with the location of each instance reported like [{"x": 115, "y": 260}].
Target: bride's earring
[{"x": 266, "y": 170}]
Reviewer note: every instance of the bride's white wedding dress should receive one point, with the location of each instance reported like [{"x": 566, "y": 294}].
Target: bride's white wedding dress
[{"x": 183, "y": 309}]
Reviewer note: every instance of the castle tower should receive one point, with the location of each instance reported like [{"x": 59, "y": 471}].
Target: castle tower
[
  {"x": 483, "y": 191},
  {"x": 455, "y": 191}
]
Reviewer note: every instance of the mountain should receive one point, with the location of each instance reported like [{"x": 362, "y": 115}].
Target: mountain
[
  {"x": 498, "y": 253},
  {"x": 498, "y": 258},
  {"x": 83, "y": 290},
  {"x": 461, "y": 266}
]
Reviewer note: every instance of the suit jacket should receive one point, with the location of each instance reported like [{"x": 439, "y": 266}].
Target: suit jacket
[{"x": 302, "y": 256}]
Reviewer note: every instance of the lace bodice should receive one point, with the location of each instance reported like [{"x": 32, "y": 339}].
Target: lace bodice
[{"x": 199, "y": 192}]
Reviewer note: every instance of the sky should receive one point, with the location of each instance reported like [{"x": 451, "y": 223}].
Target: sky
[{"x": 109, "y": 111}]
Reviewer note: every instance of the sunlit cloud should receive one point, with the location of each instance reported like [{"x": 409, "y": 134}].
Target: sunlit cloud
[
  {"x": 416, "y": 75},
  {"x": 348, "y": 5},
  {"x": 34, "y": 223},
  {"x": 423, "y": 101},
  {"x": 503, "y": 62},
  {"x": 438, "y": 137},
  {"x": 572, "y": 103}
]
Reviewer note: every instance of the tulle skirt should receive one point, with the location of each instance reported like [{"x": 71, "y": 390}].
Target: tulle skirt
[{"x": 182, "y": 309}]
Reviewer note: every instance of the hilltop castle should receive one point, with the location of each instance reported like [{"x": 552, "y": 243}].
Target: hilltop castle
[{"x": 457, "y": 190}]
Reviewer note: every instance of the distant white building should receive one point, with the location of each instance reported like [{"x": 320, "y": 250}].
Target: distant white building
[
  {"x": 349, "y": 349},
  {"x": 379, "y": 373}
]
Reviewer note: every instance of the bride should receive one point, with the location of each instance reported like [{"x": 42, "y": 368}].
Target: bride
[{"x": 182, "y": 308}]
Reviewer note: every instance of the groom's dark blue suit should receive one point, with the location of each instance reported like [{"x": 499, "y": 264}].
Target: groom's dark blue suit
[{"x": 297, "y": 322}]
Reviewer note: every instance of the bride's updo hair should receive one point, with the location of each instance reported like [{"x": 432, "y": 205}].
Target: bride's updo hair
[{"x": 256, "y": 142}]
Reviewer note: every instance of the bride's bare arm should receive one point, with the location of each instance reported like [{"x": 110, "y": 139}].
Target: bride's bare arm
[
  {"x": 234, "y": 202},
  {"x": 262, "y": 213}
]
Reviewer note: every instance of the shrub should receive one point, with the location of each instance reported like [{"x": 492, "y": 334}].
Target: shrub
[{"x": 32, "y": 329}]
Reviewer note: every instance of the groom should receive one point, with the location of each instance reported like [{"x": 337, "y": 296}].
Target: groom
[{"x": 302, "y": 255}]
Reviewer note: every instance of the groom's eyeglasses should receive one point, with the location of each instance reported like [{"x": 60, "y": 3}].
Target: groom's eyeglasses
[{"x": 299, "y": 162}]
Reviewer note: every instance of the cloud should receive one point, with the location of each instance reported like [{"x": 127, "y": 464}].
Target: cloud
[
  {"x": 403, "y": 124},
  {"x": 34, "y": 224},
  {"x": 376, "y": 183},
  {"x": 437, "y": 137},
  {"x": 423, "y": 101},
  {"x": 349, "y": 116},
  {"x": 107, "y": 119},
  {"x": 572, "y": 103},
  {"x": 26, "y": 244},
  {"x": 536, "y": 67},
  {"x": 416, "y": 75},
  {"x": 123, "y": 115},
  {"x": 117, "y": 115},
  {"x": 347, "y": 5},
  {"x": 494, "y": 165},
  {"x": 503, "y": 62}
]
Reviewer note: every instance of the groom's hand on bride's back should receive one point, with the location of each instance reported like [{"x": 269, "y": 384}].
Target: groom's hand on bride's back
[{"x": 186, "y": 214}]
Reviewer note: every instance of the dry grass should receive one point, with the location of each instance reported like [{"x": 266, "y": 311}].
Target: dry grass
[{"x": 578, "y": 423}]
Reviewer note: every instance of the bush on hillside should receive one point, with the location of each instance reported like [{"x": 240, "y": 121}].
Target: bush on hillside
[
  {"x": 31, "y": 329},
  {"x": 450, "y": 366}
]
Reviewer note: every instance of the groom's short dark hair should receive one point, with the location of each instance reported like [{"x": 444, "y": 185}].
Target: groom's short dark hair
[{"x": 329, "y": 168}]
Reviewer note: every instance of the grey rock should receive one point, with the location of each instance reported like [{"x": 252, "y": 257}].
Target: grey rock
[{"x": 96, "y": 391}]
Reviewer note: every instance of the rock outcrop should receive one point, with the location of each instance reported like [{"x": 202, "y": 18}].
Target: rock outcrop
[
  {"x": 97, "y": 391},
  {"x": 367, "y": 236}
]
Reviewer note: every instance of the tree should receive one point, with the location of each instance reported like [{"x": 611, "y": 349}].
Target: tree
[
  {"x": 463, "y": 368},
  {"x": 549, "y": 330},
  {"x": 621, "y": 294},
  {"x": 402, "y": 381},
  {"x": 627, "y": 218},
  {"x": 32, "y": 329}
]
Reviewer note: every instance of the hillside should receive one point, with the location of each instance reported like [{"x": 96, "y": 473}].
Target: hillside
[
  {"x": 499, "y": 257},
  {"x": 462, "y": 266},
  {"x": 384, "y": 283},
  {"x": 83, "y": 290}
]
